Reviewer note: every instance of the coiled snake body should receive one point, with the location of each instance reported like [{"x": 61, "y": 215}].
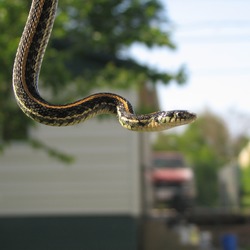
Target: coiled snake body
[{"x": 26, "y": 70}]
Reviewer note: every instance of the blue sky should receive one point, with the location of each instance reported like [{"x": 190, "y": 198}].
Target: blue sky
[{"x": 213, "y": 40}]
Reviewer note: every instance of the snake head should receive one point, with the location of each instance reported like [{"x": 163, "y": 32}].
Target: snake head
[{"x": 174, "y": 118}]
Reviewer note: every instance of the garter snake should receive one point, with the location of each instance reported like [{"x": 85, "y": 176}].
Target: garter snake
[{"x": 26, "y": 71}]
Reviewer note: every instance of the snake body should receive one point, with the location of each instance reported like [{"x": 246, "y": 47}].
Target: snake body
[{"x": 26, "y": 71}]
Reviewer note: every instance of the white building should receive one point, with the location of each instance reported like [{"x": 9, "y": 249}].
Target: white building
[{"x": 104, "y": 184}]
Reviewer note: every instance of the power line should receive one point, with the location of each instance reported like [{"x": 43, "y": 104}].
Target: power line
[
  {"x": 218, "y": 35},
  {"x": 222, "y": 71},
  {"x": 224, "y": 24},
  {"x": 229, "y": 31},
  {"x": 213, "y": 39}
]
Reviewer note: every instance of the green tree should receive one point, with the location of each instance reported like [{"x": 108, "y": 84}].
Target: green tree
[
  {"x": 245, "y": 186},
  {"x": 88, "y": 49},
  {"x": 207, "y": 146}
]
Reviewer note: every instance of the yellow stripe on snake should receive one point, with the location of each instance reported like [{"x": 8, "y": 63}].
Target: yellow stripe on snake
[{"x": 26, "y": 71}]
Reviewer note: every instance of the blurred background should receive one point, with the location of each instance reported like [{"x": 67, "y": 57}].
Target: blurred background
[{"x": 98, "y": 186}]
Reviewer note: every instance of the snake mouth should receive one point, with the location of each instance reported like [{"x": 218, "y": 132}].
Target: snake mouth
[{"x": 190, "y": 116}]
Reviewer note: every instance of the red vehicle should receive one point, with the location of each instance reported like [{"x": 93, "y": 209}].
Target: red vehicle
[{"x": 173, "y": 181}]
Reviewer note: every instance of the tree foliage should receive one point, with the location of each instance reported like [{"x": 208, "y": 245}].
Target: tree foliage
[
  {"x": 88, "y": 49},
  {"x": 208, "y": 146}
]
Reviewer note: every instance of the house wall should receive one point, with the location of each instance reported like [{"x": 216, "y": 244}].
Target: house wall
[
  {"x": 104, "y": 178},
  {"x": 94, "y": 203},
  {"x": 229, "y": 185}
]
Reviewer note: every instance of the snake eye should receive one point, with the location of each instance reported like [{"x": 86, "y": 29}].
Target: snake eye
[{"x": 177, "y": 115}]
